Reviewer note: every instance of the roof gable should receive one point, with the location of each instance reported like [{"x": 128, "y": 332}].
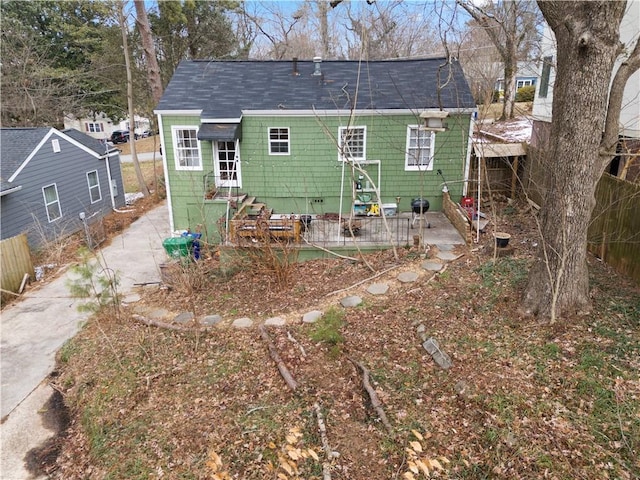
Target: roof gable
[
  {"x": 19, "y": 145},
  {"x": 16, "y": 145},
  {"x": 223, "y": 89}
]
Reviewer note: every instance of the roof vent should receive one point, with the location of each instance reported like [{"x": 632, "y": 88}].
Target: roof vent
[
  {"x": 295, "y": 66},
  {"x": 317, "y": 61}
]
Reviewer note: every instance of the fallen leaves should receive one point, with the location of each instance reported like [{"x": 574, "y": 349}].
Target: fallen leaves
[
  {"x": 187, "y": 395},
  {"x": 421, "y": 465}
]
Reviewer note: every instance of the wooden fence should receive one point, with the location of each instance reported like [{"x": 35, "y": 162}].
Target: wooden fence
[
  {"x": 614, "y": 231},
  {"x": 15, "y": 260}
]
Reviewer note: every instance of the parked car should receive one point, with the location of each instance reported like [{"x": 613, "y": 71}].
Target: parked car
[
  {"x": 146, "y": 133},
  {"x": 120, "y": 136}
]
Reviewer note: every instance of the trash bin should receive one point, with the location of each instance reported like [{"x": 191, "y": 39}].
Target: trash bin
[
  {"x": 195, "y": 246},
  {"x": 178, "y": 246}
]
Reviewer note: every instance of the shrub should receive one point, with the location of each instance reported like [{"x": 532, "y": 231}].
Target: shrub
[{"x": 526, "y": 94}]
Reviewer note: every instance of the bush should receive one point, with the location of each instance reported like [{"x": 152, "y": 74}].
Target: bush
[{"x": 526, "y": 94}]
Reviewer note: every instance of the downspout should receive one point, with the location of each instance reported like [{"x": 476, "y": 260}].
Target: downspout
[
  {"x": 467, "y": 165},
  {"x": 478, "y": 207},
  {"x": 165, "y": 169},
  {"x": 341, "y": 198}
]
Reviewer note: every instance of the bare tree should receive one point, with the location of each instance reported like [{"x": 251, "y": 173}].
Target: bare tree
[
  {"x": 509, "y": 24},
  {"x": 278, "y": 27},
  {"x": 587, "y": 101},
  {"x": 480, "y": 60},
  {"x": 390, "y": 30},
  {"x": 323, "y": 18},
  {"x": 149, "y": 50},
  {"x": 122, "y": 21}
]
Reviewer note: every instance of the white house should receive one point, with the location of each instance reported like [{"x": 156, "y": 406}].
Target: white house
[
  {"x": 100, "y": 126},
  {"x": 542, "y": 106}
]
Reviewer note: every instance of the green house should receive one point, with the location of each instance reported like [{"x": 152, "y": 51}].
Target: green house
[{"x": 312, "y": 137}]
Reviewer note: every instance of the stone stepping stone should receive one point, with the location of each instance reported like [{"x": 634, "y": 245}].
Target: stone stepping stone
[
  {"x": 378, "y": 289},
  {"x": 275, "y": 322},
  {"x": 312, "y": 317},
  {"x": 131, "y": 298},
  {"x": 408, "y": 277},
  {"x": 211, "y": 320},
  {"x": 158, "y": 313},
  {"x": 183, "y": 318},
  {"x": 432, "y": 266},
  {"x": 352, "y": 301},
  {"x": 243, "y": 322},
  {"x": 446, "y": 255},
  {"x": 433, "y": 348},
  {"x": 446, "y": 247}
]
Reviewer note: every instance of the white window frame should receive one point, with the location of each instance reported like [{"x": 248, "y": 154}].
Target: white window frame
[
  {"x": 95, "y": 127},
  {"x": 178, "y": 148},
  {"x": 279, "y": 141},
  {"x": 341, "y": 135},
  {"x": 412, "y": 156},
  {"x": 55, "y": 202},
  {"x": 93, "y": 187}
]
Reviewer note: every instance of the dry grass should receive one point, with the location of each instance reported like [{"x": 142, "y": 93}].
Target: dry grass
[
  {"x": 494, "y": 110},
  {"x": 143, "y": 145},
  {"x": 151, "y": 171}
]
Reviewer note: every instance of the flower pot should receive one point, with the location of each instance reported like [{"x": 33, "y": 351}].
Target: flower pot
[{"x": 502, "y": 239}]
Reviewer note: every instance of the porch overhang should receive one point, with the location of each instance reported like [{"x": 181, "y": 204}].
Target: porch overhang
[
  {"x": 494, "y": 150},
  {"x": 220, "y": 132},
  {"x": 6, "y": 189}
]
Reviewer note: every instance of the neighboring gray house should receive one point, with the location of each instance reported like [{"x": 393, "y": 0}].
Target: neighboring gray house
[
  {"x": 50, "y": 179},
  {"x": 526, "y": 76}
]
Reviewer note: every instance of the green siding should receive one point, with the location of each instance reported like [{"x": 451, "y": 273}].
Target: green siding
[{"x": 312, "y": 171}]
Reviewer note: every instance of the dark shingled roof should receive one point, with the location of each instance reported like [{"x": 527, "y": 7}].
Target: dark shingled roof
[
  {"x": 89, "y": 142},
  {"x": 16, "y": 144},
  {"x": 222, "y": 89}
]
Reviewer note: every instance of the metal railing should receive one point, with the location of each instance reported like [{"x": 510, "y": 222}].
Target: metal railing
[{"x": 366, "y": 231}]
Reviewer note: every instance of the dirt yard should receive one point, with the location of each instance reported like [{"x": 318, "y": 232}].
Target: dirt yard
[{"x": 522, "y": 399}]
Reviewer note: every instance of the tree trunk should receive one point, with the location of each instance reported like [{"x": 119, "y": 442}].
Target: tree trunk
[
  {"x": 149, "y": 49},
  {"x": 587, "y": 35},
  {"x": 132, "y": 119},
  {"x": 323, "y": 13},
  {"x": 510, "y": 71},
  {"x": 510, "y": 58}
]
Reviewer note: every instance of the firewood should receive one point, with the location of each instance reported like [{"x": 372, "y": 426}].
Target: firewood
[
  {"x": 284, "y": 371},
  {"x": 373, "y": 396}
]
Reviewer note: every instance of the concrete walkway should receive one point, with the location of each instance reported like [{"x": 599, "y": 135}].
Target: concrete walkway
[
  {"x": 34, "y": 329},
  {"x": 142, "y": 157}
]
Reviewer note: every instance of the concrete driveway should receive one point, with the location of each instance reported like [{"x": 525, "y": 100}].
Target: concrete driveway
[{"x": 34, "y": 329}]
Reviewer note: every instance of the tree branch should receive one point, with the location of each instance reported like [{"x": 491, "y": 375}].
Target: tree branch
[
  {"x": 373, "y": 396},
  {"x": 284, "y": 371}
]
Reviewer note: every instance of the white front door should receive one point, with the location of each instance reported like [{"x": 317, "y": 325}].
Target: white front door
[{"x": 227, "y": 163}]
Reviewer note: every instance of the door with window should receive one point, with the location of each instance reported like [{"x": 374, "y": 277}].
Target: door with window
[{"x": 227, "y": 163}]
